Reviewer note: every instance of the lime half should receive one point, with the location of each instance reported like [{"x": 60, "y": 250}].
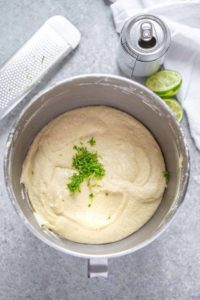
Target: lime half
[
  {"x": 165, "y": 83},
  {"x": 175, "y": 107}
]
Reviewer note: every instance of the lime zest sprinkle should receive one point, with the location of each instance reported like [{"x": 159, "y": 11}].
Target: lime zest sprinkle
[
  {"x": 92, "y": 142},
  {"x": 76, "y": 180},
  {"x": 96, "y": 185},
  {"x": 42, "y": 60},
  {"x": 166, "y": 175},
  {"x": 91, "y": 196},
  {"x": 87, "y": 166}
]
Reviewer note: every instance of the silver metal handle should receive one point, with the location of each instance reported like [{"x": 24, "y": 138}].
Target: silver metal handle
[{"x": 98, "y": 267}]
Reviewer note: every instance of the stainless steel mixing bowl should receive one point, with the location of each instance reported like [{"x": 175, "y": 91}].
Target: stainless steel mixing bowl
[{"x": 128, "y": 96}]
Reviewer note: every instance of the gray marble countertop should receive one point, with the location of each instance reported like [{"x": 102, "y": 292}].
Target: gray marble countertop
[{"x": 169, "y": 268}]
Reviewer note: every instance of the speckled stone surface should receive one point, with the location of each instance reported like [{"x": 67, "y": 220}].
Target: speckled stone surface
[{"x": 169, "y": 268}]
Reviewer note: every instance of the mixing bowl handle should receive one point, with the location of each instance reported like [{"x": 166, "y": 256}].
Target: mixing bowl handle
[{"x": 97, "y": 267}]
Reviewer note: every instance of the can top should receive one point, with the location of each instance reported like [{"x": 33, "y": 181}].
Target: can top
[{"x": 145, "y": 37}]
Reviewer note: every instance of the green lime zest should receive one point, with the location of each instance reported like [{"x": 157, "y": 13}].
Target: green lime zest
[
  {"x": 42, "y": 60},
  {"x": 96, "y": 185},
  {"x": 91, "y": 196},
  {"x": 166, "y": 175},
  {"x": 76, "y": 180},
  {"x": 92, "y": 142},
  {"x": 87, "y": 167}
]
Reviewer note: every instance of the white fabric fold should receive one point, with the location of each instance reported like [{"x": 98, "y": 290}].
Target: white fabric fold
[{"x": 183, "y": 19}]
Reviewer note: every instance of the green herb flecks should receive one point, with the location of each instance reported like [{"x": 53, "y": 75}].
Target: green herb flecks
[
  {"x": 166, "y": 176},
  {"x": 91, "y": 196},
  {"x": 92, "y": 142},
  {"x": 96, "y": 185},
  {"x": 76, "y": 180},
  {"x": 106, "y": 194},
  {"x": 87, "y": 167},
  {"x": 42, "y": 60}
]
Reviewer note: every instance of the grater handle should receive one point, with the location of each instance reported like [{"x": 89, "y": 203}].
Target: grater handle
[
  {"x": 43, "y": 51},
  {"x": 98, "y": 267}
]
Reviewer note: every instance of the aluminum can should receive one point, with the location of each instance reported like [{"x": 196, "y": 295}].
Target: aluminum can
[{"x": 144, "y": 42}]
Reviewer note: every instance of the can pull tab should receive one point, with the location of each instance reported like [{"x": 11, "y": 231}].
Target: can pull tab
[
  {"x": 146, "y": 31},
  {"x": 147, "y": 40}
]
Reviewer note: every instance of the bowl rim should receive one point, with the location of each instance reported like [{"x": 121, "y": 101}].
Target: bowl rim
[{"x": 9, "y": 188}]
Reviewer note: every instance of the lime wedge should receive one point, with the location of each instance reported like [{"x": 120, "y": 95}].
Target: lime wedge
[
  {"x": 165, "y": 83},
  {"x": 175, "y": 107}
]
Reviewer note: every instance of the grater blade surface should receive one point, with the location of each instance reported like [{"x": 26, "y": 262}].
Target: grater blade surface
[{"x": 47, "y": 47}]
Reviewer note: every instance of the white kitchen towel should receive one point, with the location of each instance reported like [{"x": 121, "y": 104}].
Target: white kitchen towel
[{"x": 183, "y": 19}]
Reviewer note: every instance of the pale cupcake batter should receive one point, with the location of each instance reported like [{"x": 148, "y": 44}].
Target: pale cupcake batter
[{"x": 124, "y": 199}]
